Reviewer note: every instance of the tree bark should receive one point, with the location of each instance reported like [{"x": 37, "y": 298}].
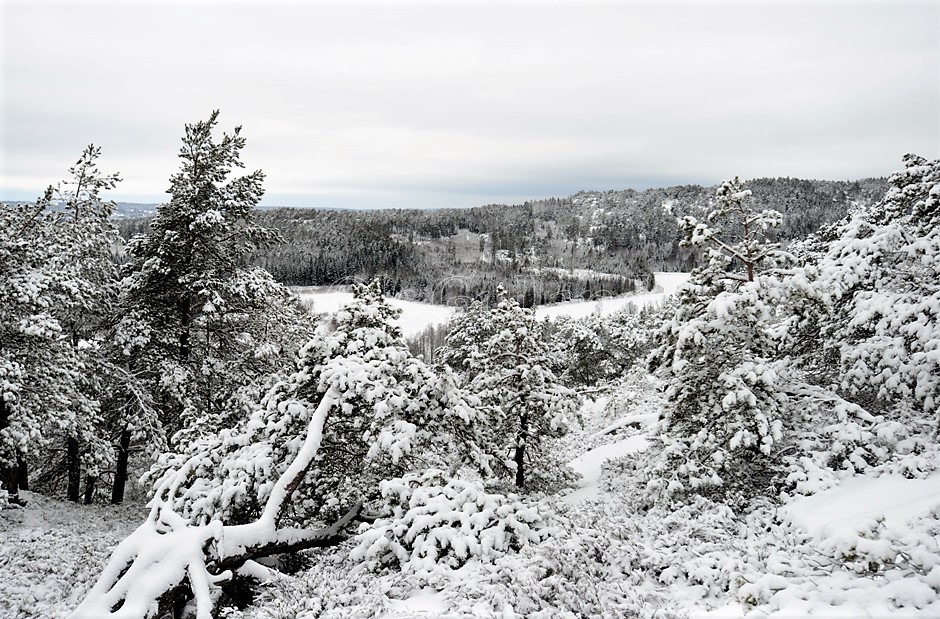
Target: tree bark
[
  {"x": 74, "y": 468},
  {"x": 90, "y": 482},
  {"x": 186, "y": 318},
  {"x": 292, "y": 540},
  {"x": 22, "y": 472},
  {"x": 520, "y": 450},
  {"x": 120, "y": 474},
  {"x": 8, "y": 479}
]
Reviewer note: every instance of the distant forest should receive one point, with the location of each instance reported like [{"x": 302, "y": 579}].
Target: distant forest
[{"x": 588, "y": 245}]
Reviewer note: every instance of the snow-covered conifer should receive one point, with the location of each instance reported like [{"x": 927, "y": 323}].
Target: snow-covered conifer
[
  {"x": 57, "y": 286},
  {"x": 357, "y": 409},
  {"x": 505, "y": 362},
  {"x": 718, "y": 355},
  {"x": 881, "y": 281},
  {"x": 204, "y": 326},
  {"x": 393, "y": 415}
]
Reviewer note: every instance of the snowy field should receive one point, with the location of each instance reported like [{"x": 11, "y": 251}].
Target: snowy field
[{"x": 416, "y": 317}]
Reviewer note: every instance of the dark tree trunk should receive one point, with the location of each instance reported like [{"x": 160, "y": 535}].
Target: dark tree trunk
[
  {"x": 120, "y": 474},
  {"x": 90, "y": 482},
  {"x": 520, "y": 450},
  {"x": 74, "y": 468},
  {"x": 8, "y": 483},
  {"x": 22, "y": 472},
  {"x": 186, "y": 319},
  {"x": 8, "y": 476}
]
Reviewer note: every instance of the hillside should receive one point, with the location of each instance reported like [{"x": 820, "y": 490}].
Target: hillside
[{"x": 589, "y": 245}]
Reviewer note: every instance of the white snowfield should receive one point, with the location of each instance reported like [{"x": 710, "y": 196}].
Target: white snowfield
[
  {"x": 416, "y": 317},
  {"x": 838, "y": 510}
]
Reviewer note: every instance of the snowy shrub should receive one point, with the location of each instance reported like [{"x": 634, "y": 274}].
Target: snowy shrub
[
  {"x": 51, "y": 552},
  {"x": 607, "y": 559},
  {"x": 332, "y": 588},
  {"x": 867, "y": 570},
  {"x": 440, "y": 522},
  {"x": 834, "y": 437}
]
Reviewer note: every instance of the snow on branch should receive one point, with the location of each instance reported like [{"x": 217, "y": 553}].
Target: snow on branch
[{"x": 168, "y": 556}]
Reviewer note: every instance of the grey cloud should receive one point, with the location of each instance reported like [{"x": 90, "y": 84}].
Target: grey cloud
[{"x": 436, "y": 104}]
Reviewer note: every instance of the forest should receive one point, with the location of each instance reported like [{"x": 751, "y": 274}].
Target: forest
[
  {"x": 231, "y": 453},
  {"x": 589, "y": 245}
]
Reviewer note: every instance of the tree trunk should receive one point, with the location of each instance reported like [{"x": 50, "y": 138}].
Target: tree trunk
[
  {"x": 74, "y": 466},
  {"x": 22, "y": 472},
  {"x": 186, "y": 318},
  {"x": 120, "y": 474},
  {"x": 520, "y": 450},
  {"x": 8, "y": 477},
  {"x": 90, "y": 482}
]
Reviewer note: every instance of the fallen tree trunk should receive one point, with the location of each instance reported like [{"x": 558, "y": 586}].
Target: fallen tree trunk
[{"x": 168, "y": 560}]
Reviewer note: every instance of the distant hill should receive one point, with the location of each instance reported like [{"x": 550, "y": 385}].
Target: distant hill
[{"x": 590, "y": 244}]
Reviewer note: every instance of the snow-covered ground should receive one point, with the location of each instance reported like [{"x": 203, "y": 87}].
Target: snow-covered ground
[
  {"x": 856, "y": 500},
  {"x": 52, "y": 551},
  {"x": 668, "y": 282},
  {"x": 868, "y": 547},
  {"x": 416, "y": 317},
  {"x": 590, "y": 464}
]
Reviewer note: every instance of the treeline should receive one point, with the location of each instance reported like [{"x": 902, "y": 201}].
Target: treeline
[{"x": 587, "y": 245}]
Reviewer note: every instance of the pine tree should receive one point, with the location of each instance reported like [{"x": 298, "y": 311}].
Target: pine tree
[
  {"x": 503, "y": 358},
  {"x": 203, "y": 325},
  {"x": 880, "y": 280},
  {"x": 395, "y": 416},
  {"x": 718, "y": 354},
  {"x": 57, "y": 282}
]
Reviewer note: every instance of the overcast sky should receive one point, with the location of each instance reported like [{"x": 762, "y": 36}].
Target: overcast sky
[{"x": 452, "y": 104}]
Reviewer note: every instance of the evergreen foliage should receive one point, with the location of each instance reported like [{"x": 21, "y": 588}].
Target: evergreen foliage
[
  {"x": 202, "y": 324},
  {"x": 57, "y": 287},
  {"x": 880, "y": 280},
  {"x": 503, "y": 357},
  {"x": 718, "y": 354},
  {"x": 394, "y": 415}
]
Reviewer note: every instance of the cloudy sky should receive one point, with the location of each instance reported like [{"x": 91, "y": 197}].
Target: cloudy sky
[{"x": 443, "y": 104}]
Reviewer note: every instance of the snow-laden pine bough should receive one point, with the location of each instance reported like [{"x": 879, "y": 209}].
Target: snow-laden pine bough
[{"x": 169, "y": 561}]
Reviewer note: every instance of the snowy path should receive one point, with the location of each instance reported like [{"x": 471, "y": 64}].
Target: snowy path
[
  {"x": 590, "y": 463},
  {"x": 859, "y": 499}
]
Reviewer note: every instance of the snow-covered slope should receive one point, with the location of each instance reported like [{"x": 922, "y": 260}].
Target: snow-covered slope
[
  {"x": 589, "y": 465},
  {"x": 668, "y": 282}
]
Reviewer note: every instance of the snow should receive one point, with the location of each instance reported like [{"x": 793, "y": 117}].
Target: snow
[
  {"x": 589, "y": 465},
  {"x": 416, "y": 317},
  {"x": 860, "y": 499},
  {"x": 426, "y": 601}
]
